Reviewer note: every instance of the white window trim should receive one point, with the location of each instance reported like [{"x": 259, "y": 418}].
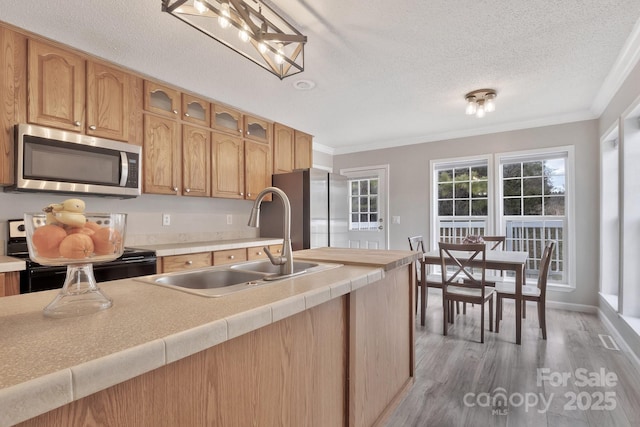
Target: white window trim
[
  {"x": 433, "y": 190},
  {"x": 570, "y": 239}
]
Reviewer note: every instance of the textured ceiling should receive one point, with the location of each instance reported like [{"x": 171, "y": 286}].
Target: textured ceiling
[{"x": 386, "y": 72}]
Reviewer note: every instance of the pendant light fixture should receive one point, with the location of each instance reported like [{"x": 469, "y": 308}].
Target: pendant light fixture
[{"x": 249, "y": 28}]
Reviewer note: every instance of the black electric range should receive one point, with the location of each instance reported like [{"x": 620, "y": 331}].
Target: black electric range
[{"x": 134, "y": 262}]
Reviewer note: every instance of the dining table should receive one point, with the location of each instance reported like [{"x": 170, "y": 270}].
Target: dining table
[{"x": 494, "y": 260}]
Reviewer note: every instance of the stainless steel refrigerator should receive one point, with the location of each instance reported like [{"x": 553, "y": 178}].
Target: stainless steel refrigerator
[{"x": 319, "y": 209}]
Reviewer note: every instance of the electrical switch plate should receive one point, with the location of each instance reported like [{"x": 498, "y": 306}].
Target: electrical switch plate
[
  {"x": 229, "y": 219},
  {"x": 395, "y": 220},
  {"x": 166, "y": 219}
]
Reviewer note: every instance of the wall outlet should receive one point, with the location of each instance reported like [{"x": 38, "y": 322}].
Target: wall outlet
[
  {"x": 229, "y": 219},
  {"x": 395, "y": 220},
  {"x": 166, "y": 219}
]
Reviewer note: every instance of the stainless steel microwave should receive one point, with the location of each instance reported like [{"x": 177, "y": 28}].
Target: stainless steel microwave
[{"x": 54, "y": 160}]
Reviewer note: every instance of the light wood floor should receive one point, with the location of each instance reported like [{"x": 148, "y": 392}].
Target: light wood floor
[{"x": 452, "y": 367}]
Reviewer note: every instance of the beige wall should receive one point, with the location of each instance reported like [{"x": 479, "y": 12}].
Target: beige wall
[
  {"x": 409, "y": 187},
  {"x": 192, "y": 219}
]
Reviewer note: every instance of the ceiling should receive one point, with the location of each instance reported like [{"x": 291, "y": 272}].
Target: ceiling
[{"x": 387, "y": 73}]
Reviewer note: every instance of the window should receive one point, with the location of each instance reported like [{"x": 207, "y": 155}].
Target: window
[
  {"x": 363, "y": 204},
  {"x": 531, "y": 196},
  {"x": 462, "y": 198},
  {"x": 534, "y": 207}
]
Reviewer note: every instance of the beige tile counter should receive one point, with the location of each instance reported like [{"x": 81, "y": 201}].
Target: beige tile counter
[
  {"x": 220, "y": 245},
  {"x": 50, "y": 362},
  {"x": 8, "y": 264}
]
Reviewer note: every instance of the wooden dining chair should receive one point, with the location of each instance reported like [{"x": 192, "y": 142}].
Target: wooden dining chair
[
  {"x": 529, "y": 293},
  {"x": 459, "y": 283},
  {"x": 416, "y": 243}
]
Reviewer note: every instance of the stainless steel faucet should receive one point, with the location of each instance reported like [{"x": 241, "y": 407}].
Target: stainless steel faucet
[{"x": 285, "y": 261}]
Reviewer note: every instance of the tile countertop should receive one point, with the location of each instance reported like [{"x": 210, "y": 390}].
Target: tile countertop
[
  {"x": 169, "y": 249},
  {"x": 55, "y": 361},
  {"x": 8, "y": 264}
]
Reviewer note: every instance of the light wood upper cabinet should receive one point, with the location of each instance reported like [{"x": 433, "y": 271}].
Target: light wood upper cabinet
[
  {"x": 162, "y": 100},
  {"x": 227, "y": 166},
  {"x": 56, "y": 87},
  {"x": 13, "y": 97},
  {"x": 283, "y": 148},
  {"x": 257, "y": 129},
  {"x": 108, "y": 92},
  {"x": 196, "y": 110},
  {"x": 257, "y": 168},
  {"x": 196, "y": 161},
  {"x": 226, "y": 119},
  {"x": 303, "y": 152},
  {"x": 161, "y": 152}
]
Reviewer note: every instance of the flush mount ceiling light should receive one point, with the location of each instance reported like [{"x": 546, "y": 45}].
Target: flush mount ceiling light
[
  {"x": 480, "y": 101},
  {"x": 249, "y": 28}
]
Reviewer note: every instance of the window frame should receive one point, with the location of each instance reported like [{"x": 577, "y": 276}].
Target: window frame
[
  {"x": 439, "y": 164},
  {"x": 569, "y": 245}
]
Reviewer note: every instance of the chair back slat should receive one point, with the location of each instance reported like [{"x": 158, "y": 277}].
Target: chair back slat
[
  {"x": 545, "y": 263},
  {"x": 495, "y": 242},
  {"x": 416, "y": 243},
  {"x": 460, "y": 256}
]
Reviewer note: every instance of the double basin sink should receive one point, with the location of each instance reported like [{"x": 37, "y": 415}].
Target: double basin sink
[{"x": 220, "y": 281}]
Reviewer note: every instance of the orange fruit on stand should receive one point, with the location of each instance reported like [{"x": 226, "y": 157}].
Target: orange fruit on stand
[
  {"x": 93, "y": 225},
  {"x": 106, "y": 241},
  {"x": 84, "y": 230},
  {"x": 76, "y": 246},
  {"x": 47, "y": 238}
]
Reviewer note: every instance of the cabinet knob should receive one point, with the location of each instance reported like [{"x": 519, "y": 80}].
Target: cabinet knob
[
  {"x": 240, "y": 131},
  {"x": 259, "y": 253},
  {"x": 248, "y": 133},
  {"x": 92, "y": 127},
  {"x": 248, "y": 194},
  {"x": 175, "y": 111},
  {"x": 175, "y": 189},
  {"x": 77, "y": 123},
  {"x": 188, "y": 262},
  {"x": 242, "y": 194},
  {"x": 187, "y": 190},
  {"x": 232, "y": 257},
  {"x": 185, "y": 114}
]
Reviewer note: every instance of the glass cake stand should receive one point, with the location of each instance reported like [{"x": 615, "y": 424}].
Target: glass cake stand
[{"x": 80, "y": 293}]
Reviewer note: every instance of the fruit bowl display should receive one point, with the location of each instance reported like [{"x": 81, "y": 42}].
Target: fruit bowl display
[{"x": 77, "y": 240}]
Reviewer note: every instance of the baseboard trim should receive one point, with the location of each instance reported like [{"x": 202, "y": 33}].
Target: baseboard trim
[
  {"x": 582, "y": 308},
  {"x": 635, "y": 360}
]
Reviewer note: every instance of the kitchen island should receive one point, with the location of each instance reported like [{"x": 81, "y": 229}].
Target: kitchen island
[{"x": 329, "y": 348}]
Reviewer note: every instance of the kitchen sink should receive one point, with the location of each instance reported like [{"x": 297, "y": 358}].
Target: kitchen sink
[
  {"x": 265, "y": 266},
  {"x": 225, "y": 280}
]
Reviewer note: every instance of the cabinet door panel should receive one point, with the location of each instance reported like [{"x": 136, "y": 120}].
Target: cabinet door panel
[
  {"x": 161, "y": 99},
  {"x": 195, "y": 110},
  {"x": 257, "y": 168},
  {"x": 283, "y": 148},
  {"x": 56, "y": 87},
  {"x": 107, "y": 102},
  {"x": 196, "y": 161},
  {"x": 161, "y": 156},
  {"x": 303, "y": 151},
  {"x": 226, "y": 119},
  {"x": 257, "y": 129},
  {"x": 227, "y": 166}
]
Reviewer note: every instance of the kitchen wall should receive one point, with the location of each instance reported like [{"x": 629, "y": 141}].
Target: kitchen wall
[
  {"x": 409, "y": 187},
  {"x": 193, "y": 219}
]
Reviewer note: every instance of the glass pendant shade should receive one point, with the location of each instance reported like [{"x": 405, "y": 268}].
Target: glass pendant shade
[{"x": 471, "y": 105}]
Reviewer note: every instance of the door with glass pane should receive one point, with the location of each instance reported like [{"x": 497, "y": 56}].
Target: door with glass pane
[{"x": 367, "y": 207}]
